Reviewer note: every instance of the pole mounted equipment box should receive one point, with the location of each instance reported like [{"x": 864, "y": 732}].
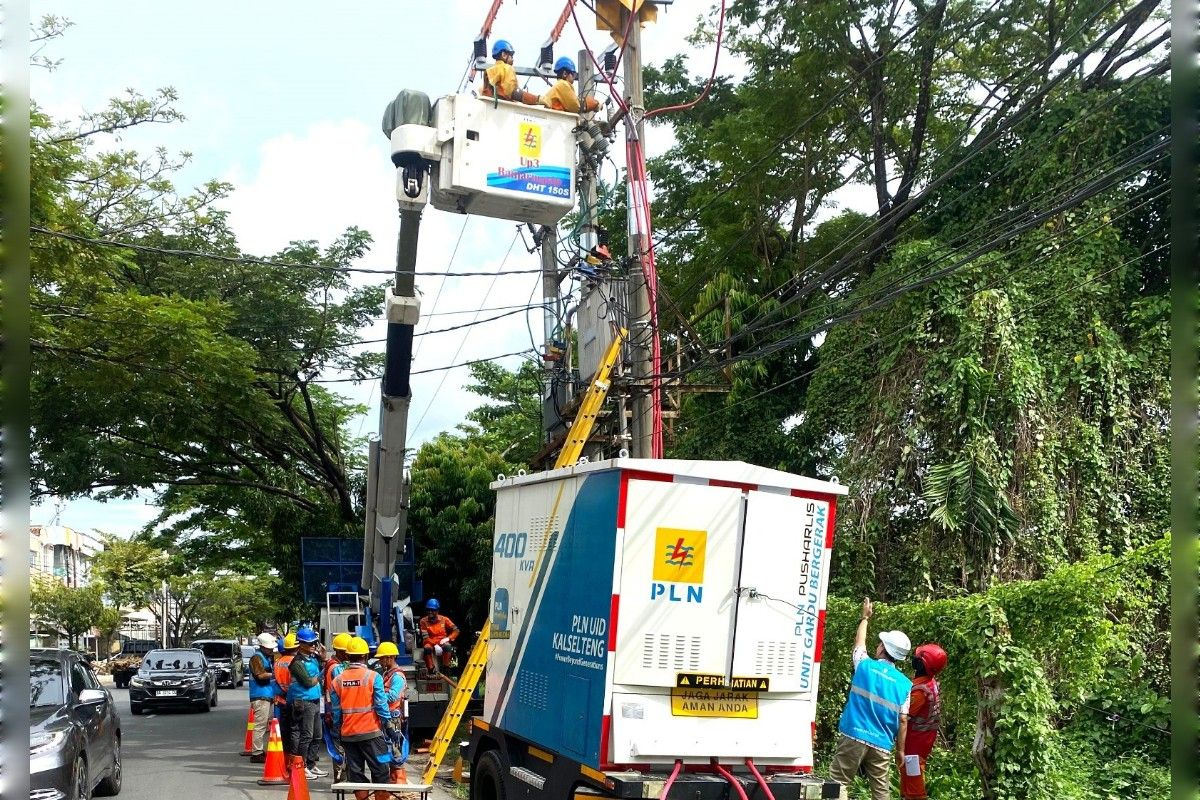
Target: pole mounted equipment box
[
  {"x": 645, "y": 611},
  {"x": 500, "y": 159}
]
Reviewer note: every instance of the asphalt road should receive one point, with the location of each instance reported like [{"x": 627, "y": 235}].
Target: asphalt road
[{"x": 192, "y": 755}]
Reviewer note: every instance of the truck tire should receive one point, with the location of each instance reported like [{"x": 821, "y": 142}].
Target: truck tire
[{"x": 487, "y": 778}]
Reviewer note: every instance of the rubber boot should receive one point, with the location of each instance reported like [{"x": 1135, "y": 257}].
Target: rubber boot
[
  {"x": 382, "y": 794},
  {"x": 361, "y": 795},
  {"x": 399, "y": 775}
]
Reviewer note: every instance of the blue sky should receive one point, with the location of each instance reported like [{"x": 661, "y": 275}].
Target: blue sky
[{"x": 284, "y": 100}]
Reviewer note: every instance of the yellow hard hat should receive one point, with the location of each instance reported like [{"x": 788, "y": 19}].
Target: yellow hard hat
[
  {"x": 387, "y": 649},
  {"x": 357, "y": 646},
  {"x": 289, "y": 641},
  {"x": 341, "y": 640}
]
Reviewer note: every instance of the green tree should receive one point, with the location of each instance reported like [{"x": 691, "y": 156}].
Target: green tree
[
  {"x": 67, "y": 610},
  {"x": 510, "y": 421},
  {"x": 450, "y": 515},
  {"x": 129, "y": 570},
  {"x": 175, "y": 366}
]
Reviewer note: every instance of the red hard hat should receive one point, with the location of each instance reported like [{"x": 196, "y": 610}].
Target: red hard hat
[{"x": 933, "y": 656}]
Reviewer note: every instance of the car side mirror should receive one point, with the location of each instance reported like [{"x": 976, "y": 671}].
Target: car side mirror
[{"x": 92, "y": 696}]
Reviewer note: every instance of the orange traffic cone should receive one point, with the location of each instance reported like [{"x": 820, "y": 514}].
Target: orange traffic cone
[
  {"x": 298, "y": 787},
  {"x": 248, "y": 747},
  {"x": 273, "y": 766}
]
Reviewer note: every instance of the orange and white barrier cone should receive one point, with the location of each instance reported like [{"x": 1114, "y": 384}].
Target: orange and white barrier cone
[
  {"x": 273, "y": 767},
  {"x": 248, "y": 747},
  {"x": 298, "y": 785}
]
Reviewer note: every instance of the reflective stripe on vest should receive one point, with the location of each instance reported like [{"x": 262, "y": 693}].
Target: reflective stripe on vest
[
  {"x": 930, "y": 715},
  {"x": 260, "y": 691},
  {"x": 872, "y": 714},
  {"x": 355, "y": 690}
]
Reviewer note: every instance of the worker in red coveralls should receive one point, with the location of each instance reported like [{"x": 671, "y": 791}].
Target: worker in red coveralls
[{"x": 924, "y": 719}]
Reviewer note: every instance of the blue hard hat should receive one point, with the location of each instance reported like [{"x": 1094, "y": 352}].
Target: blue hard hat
[
  {"x": 502, "y": 46},
  {"x": 564, "y": 62},
  {"x": 306, "y": 635},
  {"x": 433, "y": 605}
]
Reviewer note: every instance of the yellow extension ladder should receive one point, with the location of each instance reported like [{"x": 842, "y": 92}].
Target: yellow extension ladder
[
  {"x": 581, "y": 428},
  {"x": 577, "y": 437},
  {"x": 458, "y": 706}
]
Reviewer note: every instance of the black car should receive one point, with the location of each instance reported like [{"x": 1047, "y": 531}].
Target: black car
[
  {"x": 74, "y": 730},
  {"x": 173, "y": 679},
  {"x": 226, "y": 656}
]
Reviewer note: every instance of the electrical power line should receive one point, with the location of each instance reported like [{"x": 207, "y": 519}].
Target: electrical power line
[
  {"x": 486, "y": 360},
  {"x": 463, "y": 342},
  {"x": 260, "y": 262}
]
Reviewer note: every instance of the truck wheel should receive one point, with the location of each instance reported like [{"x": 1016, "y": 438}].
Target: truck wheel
[{"x": 487, "y": 778}]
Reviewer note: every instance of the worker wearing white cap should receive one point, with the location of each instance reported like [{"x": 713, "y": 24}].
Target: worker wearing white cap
[
  {"x": 875, "y": 718},
  {"x": 262, "y": 693}
]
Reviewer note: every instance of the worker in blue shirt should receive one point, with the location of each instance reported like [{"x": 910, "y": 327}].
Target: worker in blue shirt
[
  {"x": 875, "y": 719},
  {"x": 304, "y": 699}
]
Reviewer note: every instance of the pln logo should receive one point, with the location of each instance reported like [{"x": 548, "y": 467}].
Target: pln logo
[
  {"x": 679, "y": 559},
  {"x": 530, "y": 144}
]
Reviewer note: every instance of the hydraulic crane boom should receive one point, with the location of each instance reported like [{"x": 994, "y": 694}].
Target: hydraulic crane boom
[{"x": 387, "y": 487}]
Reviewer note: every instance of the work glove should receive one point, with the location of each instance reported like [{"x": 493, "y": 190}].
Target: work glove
[
  {"x": 445, "y": 642},
  {"x": 437, "y": 648}
]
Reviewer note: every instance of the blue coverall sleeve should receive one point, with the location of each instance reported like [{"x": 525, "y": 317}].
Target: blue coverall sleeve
[
  {"x": 335, "y": 705},
  {"x": 379, "y": 698}
]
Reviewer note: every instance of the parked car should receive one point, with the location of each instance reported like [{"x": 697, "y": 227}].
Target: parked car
[
  {"x": 126, "y": 663},
  {"x": 226, "y": 656},
  {"x": 74, "y": 730},
  {"x": 171, "y": 679},
  {"x": 248, "y": 651}
]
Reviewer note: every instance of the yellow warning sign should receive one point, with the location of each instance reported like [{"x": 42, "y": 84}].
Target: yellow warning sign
[
  {"x": 714, "y": 703},
  {"x": 705, "y": 680}
]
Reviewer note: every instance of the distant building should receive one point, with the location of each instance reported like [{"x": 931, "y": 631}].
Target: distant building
[{"x": 62, "y": 553}]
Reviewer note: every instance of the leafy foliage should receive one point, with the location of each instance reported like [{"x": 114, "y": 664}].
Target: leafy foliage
[
  {"x": 1029, "y": 662},
  {"x": 70, "y": 611}
]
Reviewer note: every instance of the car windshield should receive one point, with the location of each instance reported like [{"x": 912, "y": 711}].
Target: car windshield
[
  {"x": 45, "y": 683},
  {"x": 173, "y": 660},
  {"x": 247, "y": 652},
  {"x": 215, "y": 649}
]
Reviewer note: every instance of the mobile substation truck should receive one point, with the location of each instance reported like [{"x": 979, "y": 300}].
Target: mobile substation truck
[{"x": 655, "y": 631}]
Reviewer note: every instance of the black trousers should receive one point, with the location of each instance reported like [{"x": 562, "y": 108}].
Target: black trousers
[
  {"x": 306, "y": 737},
  {"x": 369, "y": 754},
  {"x": 285, "y": 728}
]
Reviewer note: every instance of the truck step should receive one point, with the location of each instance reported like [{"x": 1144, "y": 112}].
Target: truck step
[{"x": 527, "y": 776}]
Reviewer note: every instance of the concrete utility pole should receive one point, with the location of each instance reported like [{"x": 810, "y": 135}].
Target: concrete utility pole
[{"x": 641, "y": 334}]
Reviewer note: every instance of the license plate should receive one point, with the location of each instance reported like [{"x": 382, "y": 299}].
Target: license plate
[
  {"x": 167, "y": 693},
  {"x": 714, "y": 703}
]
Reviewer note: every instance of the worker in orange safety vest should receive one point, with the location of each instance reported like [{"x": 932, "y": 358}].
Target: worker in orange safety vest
[
  {"x": 333, "y": 667},
  {"x": 360, "y": 714},
  {"x": 500, "y": 79},
  {"x": 438, "y": 633},
  {"x": 283, "y": 680},
  {"x": 394, "y": 689}
]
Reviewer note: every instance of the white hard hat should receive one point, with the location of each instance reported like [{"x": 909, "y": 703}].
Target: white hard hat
[
  {"x": 266, "y": 640},
  {"x": 896, "y": 643}
]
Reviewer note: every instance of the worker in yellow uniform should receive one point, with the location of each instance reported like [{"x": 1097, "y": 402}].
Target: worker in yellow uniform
[
  {"x": 500, "y": 79},
  {"x": 562, "y": 96},
  {"x": 360, "y": 714}
]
